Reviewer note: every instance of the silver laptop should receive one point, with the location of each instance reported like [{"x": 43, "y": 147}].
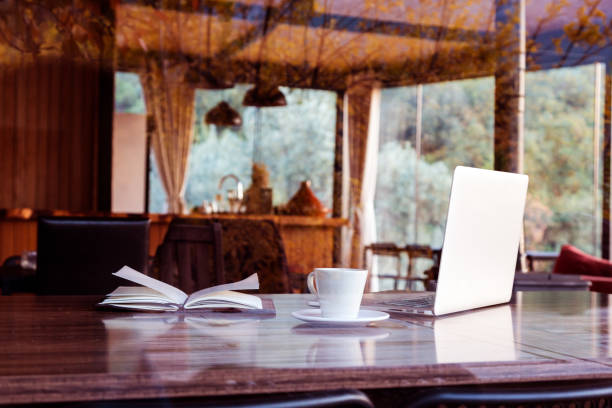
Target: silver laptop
[{"x": 483, "y": 230}]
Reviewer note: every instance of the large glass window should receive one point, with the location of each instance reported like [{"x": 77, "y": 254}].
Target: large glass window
[
  {"x": 415, "y": 171},
  {"x": 560, "y": 152},
  {"x": 563, "y": 202},
  {"x": 413, "y": 184}
]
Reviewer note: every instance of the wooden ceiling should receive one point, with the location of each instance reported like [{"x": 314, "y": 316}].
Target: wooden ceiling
[
  {"x": 320, "y": 44},
  {"x": 309, "y": 43}
]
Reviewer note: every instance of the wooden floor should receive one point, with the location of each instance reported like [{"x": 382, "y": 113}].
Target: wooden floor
[{"x": 64, "y": 349}]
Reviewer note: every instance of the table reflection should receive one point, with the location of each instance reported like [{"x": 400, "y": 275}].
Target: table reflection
[
  {"x": 534, "y": 327},
  {"x": 481, "y": 335},
  {"x": 345, "y": 346},
  {"x": 205, "y": 340}
]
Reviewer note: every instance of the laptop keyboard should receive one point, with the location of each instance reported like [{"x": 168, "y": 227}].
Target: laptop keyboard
[{"x": 424, "y": 302}]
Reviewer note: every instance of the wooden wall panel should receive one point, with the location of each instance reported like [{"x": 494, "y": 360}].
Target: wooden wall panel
[
  {"x": 6, "y": 138},
  {"x": 52, "y": 133},
  {"x": 42, "y": 119},
  {"x": 49, "y": 134}
]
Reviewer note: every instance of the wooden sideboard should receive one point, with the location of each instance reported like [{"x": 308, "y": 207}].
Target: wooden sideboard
[{"x": 309, "y": 241}]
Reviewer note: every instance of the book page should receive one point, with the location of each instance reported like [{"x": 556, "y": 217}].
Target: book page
[
  {"x": 226, "y": 298},
  {"x": 252, "y": 282},
  {"x": 136, "y": 291},
  {"x": 151, "y": 307},
  {"x": 173, "y": 294}
]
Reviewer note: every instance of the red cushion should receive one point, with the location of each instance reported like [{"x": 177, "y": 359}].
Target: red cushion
[
  {"x": 573, "y": 261},
  {"x": 598, "y": 283}
]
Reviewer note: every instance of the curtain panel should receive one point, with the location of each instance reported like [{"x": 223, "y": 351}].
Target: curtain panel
[
  {"x": 363, "y": 111},
  {"x": 170, "y": 103}
]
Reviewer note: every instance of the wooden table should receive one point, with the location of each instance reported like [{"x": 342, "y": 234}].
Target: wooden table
[{"x": 63, "y": 349}]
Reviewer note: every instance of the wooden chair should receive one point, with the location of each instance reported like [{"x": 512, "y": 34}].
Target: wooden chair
[
  {"x": 77, "y": 256},
  {"x": 413, "y": 252},
  {"x": 255, "y": 246},
  {"x": 191, "y": 256},
  {"x": 539, "y": 256},
  {"x": 250, "y": 246}
]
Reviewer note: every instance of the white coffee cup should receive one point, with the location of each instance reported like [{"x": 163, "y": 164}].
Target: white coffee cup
[{"x": 339, "y": 291}]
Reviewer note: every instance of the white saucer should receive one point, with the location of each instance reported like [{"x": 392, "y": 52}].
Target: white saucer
[
  {"x": 365, "y": 316},
  {"x": 314, "y": 303}
]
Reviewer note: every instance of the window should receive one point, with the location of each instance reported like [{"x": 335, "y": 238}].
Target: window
[
  {"x": 561, "y": 156},
  {"x": 415, "y": 174},
  {"x": 413, "y": 184},
  {"x": 295, "y": 142},
  {"x": 563, "y": 203},
  {"x": 128, "y": 93}
]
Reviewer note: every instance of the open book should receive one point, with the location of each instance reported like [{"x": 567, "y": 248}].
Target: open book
[{"x": 155, "y": 295}]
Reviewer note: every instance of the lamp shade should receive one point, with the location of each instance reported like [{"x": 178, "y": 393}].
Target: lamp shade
[
  {"x": 264, "y": 97},
  {"x": 223, "y": 115}
]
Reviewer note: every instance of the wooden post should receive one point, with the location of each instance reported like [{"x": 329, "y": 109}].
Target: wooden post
[
  {"x": 339, "y": 190},
  {"x": 106, "y": 84},
  {"x": 509, "y": 85},
  {"x": 105, "y": 138},
  {"x": 508, "y": 141},
  {"x": 607, "y": 140}
]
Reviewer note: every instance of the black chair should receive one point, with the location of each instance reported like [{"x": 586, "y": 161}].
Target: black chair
[
  {"x": 543, "y": 396},
  {"x": 76, "y": 256},
  {"x": 319, "y": 399},
  {"x": 325, "y": 399},
  {"x": 191, "y": 256},
  {"x": 14, "y": 278}
]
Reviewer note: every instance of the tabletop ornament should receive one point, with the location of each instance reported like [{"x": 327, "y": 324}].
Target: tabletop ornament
[
  {"x": 258, "y": 197},
  {"x": 305, "y": 202}
]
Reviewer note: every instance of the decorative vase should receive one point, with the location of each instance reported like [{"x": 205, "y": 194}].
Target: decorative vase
[{"x": 305, "y": 202}]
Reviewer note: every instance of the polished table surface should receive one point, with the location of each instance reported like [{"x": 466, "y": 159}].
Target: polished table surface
[{"x": 64, "y": 349}]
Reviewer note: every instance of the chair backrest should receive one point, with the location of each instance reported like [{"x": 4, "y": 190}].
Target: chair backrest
[
  {"x": 250, "y": 246},
  {"x": 76, "y": 256},
  {"x": 595, "y": 395},
  {"x": 191, "y": 256},
  {"x": 318, "y": 399},
  {"x": 255, "y": 246},
  {"x": 413, "y": 252},
  {"x": 315, "y": 399}
]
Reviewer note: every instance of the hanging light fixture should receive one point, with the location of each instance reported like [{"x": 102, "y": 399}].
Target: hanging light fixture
[
  {"x": 223, "y": 115},
  {"x": 261, "y": 97}
]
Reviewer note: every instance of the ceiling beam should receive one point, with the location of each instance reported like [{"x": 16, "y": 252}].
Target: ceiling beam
[{"x": 301, "y": 13}]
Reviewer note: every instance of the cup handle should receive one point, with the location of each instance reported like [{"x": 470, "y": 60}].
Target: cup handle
[{"x": 310, "y": 281}]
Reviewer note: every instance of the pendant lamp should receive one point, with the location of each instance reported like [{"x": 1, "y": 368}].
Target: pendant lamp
[
  {"x": 223, "y": 115},
  {"x": 264, "y": 97}
]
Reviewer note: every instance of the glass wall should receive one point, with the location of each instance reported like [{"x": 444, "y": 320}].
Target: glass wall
[
  {"x": 561, "y": 157},
  {"x": 415, "y": 172},
  {"x": 563, "y": 204},
  {"x": 413, "y": 185}
]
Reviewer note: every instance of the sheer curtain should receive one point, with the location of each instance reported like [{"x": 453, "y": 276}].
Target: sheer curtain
[
  {"x": 170, "y": 105},
  {"x": 363, "y": 126}
]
